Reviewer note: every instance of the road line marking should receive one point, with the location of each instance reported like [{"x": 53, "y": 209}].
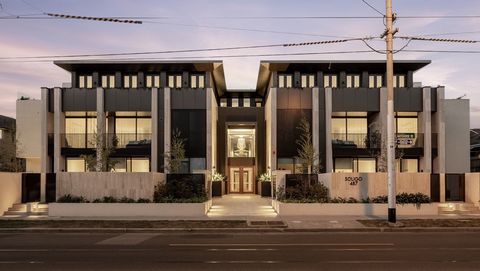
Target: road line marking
[
  {"x": 242, "y": 249},
  {"x": 242, "y": 262},
  {"x": 128, "y": 239},
  {"x": 278, "y": 244}
]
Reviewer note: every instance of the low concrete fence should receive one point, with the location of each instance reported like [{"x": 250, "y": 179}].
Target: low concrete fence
[
  {"x": 472, "y": 188},
  {"x": 170, "y": 210},
  {"x": 10, "y": 190},
  {"x": 96, "y": 185},
  {"x": 361, "y": 209}
]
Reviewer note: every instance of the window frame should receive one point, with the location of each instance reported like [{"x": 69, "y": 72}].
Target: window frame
[
  {"x": 152, "y": 81},
  {"x": 373, "y": 81},
  {"x": 330, "y": 80},
  {"x": 174, "y": 81},
  {"x": 352, "y": 79},
  {"x": 132, "y": 80},
  {"x": 308, "y": 79},
  {"x": 85, "y": 81}
]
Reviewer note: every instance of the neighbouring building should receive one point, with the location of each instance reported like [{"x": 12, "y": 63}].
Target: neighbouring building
[
  {"x": 475, "y": 150},
  {"x": 8, "y": 161},
  {"x": 28, "y": 133},
  {"x": 136, "y": 106}
]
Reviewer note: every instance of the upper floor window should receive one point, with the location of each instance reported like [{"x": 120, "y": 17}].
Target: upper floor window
[
  {"x": 375, "y": 81},
  {"x": 175, "y": 81},
  {"x": 130, "y": 81},
  {"x": 108, "y": 81},
  {"x": 285, "y": 81},
  {"x": 234, "y": 102},
  {"x": 197, "y": 81},
  {"x": 353, "y": 80},
  {"x": 152, "y": 81},
  {"x": 399, "y": 81},
  {"x": 85, "y": 81},
  {"x": 330, "y": 81},
  {"x": 223, "y": 102},
  {"x": 307, "y": 80},
  {"x": 246, "y": 102},
  {"x": 258, "y": 102}
]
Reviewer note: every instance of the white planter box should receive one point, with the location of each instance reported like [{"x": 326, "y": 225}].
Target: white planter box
[
  {"x": 361, "y": 209},
  {"x": 129, "y": 209}
]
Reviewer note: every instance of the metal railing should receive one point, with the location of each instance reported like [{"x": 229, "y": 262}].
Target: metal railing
[
  {"x": 79, "y": 141},
  {"x": 119, "y": 140},
  {"x": 374, "y": 140}
]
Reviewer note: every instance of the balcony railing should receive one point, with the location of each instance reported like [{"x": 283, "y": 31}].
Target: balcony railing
[
  {"x": 374, "y": 140},
  {"x": 119, "y": 140}
]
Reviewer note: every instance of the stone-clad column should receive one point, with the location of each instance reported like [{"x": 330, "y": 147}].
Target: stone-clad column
[
  {"x": 328, "y": 131},
  {"x": 154, "y": 120},
  {"x": 426, "y": 128},
  {"x": 101, "y": 127},
  {"x": 59, "y": 130},
  {"x": 44, "y": 133},
  {"x": 167, "y": 124},
  {"x": 439, "y": 162},
  {"x": 315, "y": 123}
]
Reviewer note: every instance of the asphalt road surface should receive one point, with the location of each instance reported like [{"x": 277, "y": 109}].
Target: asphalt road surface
[{"x": 240, "y": 251}]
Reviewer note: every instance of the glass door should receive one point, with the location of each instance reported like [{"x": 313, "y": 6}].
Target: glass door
[
  {"x": 241, "y": 180},
  {"x": 235, "y": 180}
]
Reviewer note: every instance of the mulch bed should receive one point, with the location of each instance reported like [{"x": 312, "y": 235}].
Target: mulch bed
[{"x": 423, "y": 223}]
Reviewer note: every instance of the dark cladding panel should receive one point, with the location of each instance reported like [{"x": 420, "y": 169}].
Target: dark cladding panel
[
  {"x": 161, "y": 128},
  {"x": 322, "y": 128},
  {"x": 128, "y": 99},
  {"x": 187, "y": 98},
  {"x": 408, "y": 100},
  {"x": 294, "y": 98},
  {"x": 287, "y": 132},
  {"x": 356, "y": 99},
  {"x": 75, "y": 99},
  {"x": 433, "y": 99},
  {"x": 192, "y": 126},
  {"x": 282, "y": 98}
]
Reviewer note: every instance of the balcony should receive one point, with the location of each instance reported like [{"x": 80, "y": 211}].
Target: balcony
[
  {"x": 78, "y": 141},
  {"x": 118, "y": 140},
  {"x": 374, "y": 140}
]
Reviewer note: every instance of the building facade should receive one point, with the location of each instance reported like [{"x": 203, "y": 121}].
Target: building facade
[{"x": 133, "y": 108}]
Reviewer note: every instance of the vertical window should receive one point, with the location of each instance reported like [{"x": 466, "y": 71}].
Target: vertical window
[
  {"x": 258, "y": 102},
  {"x": 353, "y": 81},
  {"x": 330, "y": 81},
  {"x": 223, "y": 102},
  {"x": 307, "y": 81},
  {"x": 1, "y": 134},
  {"x": 246, "y": 102},
  {"x": 140, "y": 165},
  {"x": 399, "y": 81},
  {"x": 285, "y": 81},
  {"x": 407, "y": 165},
  {"x": 85, "y": 81},
  {"x": 152, "y": 81},
  {"x": 375, "y": 81},
  {"x": 130, "y": 81},
  {"x": 234, "y": 102},
  {"x": 175, "y": 81},
  {"x": 108, "y": 81},
  {"x": 75, "y": 164},
  {"x": 197, "y": 81}
]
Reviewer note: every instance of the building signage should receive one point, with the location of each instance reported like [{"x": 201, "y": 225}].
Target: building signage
[
  {"x": 353, "y": 180},
  {"x": 405, "y": 139}
]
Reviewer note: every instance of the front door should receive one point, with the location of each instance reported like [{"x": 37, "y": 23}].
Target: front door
[{"x": 241, "y": 180}]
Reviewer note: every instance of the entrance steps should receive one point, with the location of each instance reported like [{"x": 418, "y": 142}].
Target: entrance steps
[
  {"x": 250, "y": 207},
  {"x": 458, "y": 208},
  {"x": 27, "y": 209}
]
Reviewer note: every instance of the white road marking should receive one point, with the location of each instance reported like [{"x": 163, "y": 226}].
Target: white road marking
[
  {"x": 287, "y": 244},
  {"x": 241, "y": 262},
  {"x": 128, "y": 239},
  {"x": 242, "y": 249}
]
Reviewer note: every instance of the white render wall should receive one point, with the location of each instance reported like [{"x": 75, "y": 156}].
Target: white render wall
[
  {"x": 95, "y": 185},
  {"x": 29, "y": 133},
  {"x": 10, "y": 190},
  {"x": 457, "y": 135}
]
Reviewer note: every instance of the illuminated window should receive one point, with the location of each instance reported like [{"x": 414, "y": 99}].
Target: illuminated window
[
  {"x": 399, "y": 81},
  {"x": 285, "y": 81},
  {"x": 350, "y": 165},
  {"x": 75, "y": 165},
  {"x": 108, "y": 81},
  {"x": 258, "y": 102},
  {"x": 130, "y": 81},
  {"x": 246, "y": 102},
  {"x": 375, "y": 81},
  {"x": 1, "y": 134},
  {"x": 140, "y": 165},
  {"x": 85, "y": 81},
  {"x": 175, "y": 81},
  {"x": 407, "y": 165},
  {"x": 307, "y": 81},
  {"x": 241, "y": 142},
  {"x": 330, "y": 81},
  {"x": 152, "y": 81},
  {"x": 223, "y": 102},
  {"x": 353, "y": 81},
  {"x": 234, "y": 102},
  {"x": 197, "y": 81}
]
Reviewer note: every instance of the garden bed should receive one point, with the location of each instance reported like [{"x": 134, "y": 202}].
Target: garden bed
[
  {"x": 129, "y": 209},
  {"x": 362, "y": 209}
]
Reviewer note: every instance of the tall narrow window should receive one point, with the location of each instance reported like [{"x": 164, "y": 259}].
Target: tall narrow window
[
  {"x": 85, "y": 81},
  {"x": 234, "y": 102},
  {"x": 285, "y": 81},
  {"x": 353, "y": 81},
  {"x": 108, "y": 81},
  {"x": 375, "y": 81},
  {"x": 246, "y": 102},
  {"x": 152, "y": 81},
  {"x": 197, "y": 81},
  {"x": 330, "y": 81},
  {"x": 399, "y": 81},
  {"x": 223, "y": 102},
  {"x": 130, "y": 81},
  {"x": 307, "y": 81},
  {"x": 175, "y": 81}
]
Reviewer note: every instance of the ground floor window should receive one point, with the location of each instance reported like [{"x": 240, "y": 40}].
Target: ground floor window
[
  {"x": 407, "y": 165},
  {"x": 349, "y": 165},
  {"x": 292, "y": 164},
  {"x": 190, "y": 165},
  {"x": 75, "y": 164},
  {"x": 139, "y": 164}
]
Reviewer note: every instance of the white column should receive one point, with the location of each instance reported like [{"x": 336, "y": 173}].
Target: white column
[
  {"x": 59, "y": 129},
  {"x": 328, "y": 131},
  {"x": 273, "y": 128},
  {"x": 439, "y": 163},
  {"x": 426, "y": 129},
  {"x": 100, "y": 127},
  {"x": 154, "y": 145},
  {"x": 44, "y": 132},
  {"x": 167, "y": 124},
  {"x": 211, "y": 128},
  {"x": 315, "y": 124}
]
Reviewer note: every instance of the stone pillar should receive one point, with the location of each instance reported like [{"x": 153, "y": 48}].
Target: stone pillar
[
  {"x": 167, "y": 124},
  {"x": 44, "y": 132},
  {"x": 439, "y": 119},
  {"x": 154, "y": 120},
  {"x": 442, "y": 188},
  {"x": 273, "y": 128},
  {"x": 100, "y": 140},
  {"x": 315, "y": 124},
  {"x": 328, "y": 131},
  {"x": 425, "y": 119},
  {"x": 382, "y": 128},
  {"x": 59, "y": 130}
]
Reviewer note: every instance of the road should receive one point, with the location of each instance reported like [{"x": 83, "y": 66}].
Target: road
[{"x": 240, "y": 251}]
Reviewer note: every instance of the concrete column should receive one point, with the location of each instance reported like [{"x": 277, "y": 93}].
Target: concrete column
[
  {"x": 328, "y": 131},
  {"x": 44, "y": 132},
  {"x": 442, "y": 188},
  {"x": 167, "y": 124},
  {"x": 43, "y": 187},
  {"x": 439, "y": 161},
  {"x": 273, "y": 128},
  {"x": 426, "y": 128},
  {"x": 154, "y": 120},
  {"x": 209, "y": 129},
  {"x": 59, "y": 129},
  {"x": 382, "y": 127},
  {"x": 315, "y": 123},
  {"x": 101, "y": 127}
]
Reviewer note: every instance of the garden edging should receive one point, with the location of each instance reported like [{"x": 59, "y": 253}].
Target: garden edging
[
  {"x": 129, "y": 209},
  {"x": 376, "y": 209}
]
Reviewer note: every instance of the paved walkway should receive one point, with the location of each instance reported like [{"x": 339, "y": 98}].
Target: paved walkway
[{"x": 246, "y": 207}]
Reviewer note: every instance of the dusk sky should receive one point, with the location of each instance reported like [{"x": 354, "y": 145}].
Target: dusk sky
[{"x": 186, "y": 29}]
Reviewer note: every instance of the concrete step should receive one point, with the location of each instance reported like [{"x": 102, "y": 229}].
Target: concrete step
[
  {"x": 458, "y": 208},
  {"x": 20, "y": 209}
]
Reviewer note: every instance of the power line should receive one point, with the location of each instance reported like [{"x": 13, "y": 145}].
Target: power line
[
  {"x": 437, "y": 39},
  {"x": 187, "y": 50},
  {"x": 102, "y": 19},
  {"x": 372, "y": 7},
  {"x": 448, "y": 33}
]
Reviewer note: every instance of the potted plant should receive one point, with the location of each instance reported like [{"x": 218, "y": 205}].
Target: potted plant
[
  {"x": 217, "y": 184},
  {"x": 265, "y": 185}
]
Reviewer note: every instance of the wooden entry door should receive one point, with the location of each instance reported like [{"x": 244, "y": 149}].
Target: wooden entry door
[{"x": 241, "y": 180}]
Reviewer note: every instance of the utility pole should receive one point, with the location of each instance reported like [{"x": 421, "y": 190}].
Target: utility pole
[{"x": 391, "y": 142}]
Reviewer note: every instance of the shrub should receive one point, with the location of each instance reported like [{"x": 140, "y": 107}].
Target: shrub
[
  {"x": 178, "y": 192},
  {"x": 344, "y": 200},
  {"x": 303, "y": 193},
  {"x": 71, "y": 199},
  {"x": 109, "y": 199},
  {"x": 142, "y": 200},
  {"x": 126, "y": 200}
]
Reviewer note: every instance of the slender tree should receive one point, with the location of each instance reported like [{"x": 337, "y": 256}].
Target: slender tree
[
  {"x": 306, "y": 151},
  {"x": 177, "y": 152},
  {"x": 104, "y": 163}
]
